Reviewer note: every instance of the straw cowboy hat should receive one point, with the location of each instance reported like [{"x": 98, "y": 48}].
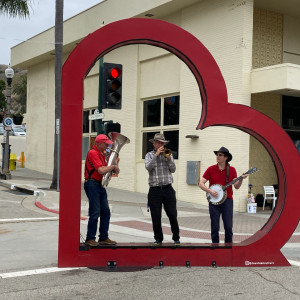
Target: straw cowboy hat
[{"x": 159, "y": 137}]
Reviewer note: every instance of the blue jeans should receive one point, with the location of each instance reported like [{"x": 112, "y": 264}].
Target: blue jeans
[
  {"x": 98, "y": 207},
  {"x": 226, "y": 210}
]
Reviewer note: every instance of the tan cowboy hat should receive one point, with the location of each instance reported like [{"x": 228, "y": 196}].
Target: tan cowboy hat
[{"x": 159, "y": 137}]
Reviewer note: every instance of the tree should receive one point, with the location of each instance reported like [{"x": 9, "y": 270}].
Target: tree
[
  {"x": 15, "y": 8},
  {"x": 2, "y": 96},
  {"x": 59, "y": 8},
  {"x": 19, "y": 90}
]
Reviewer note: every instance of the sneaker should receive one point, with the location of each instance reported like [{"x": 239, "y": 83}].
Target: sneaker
[
  {"x": 157, "y": 243},
  {"x": 91, "y": 243},
  {"x": 107, "y": 242},
  {"x": 177, "y": 243}
]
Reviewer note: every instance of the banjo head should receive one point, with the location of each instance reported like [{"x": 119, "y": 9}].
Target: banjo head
[{"x": 221, "y": 194}]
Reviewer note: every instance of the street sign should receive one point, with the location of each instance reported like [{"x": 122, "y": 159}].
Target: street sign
[
  {"x": 96, "y": 116},
  {"x": 8, "y": 122}
]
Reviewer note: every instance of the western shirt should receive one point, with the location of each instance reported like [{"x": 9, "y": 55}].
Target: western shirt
[{"x": 160, "y": 169}]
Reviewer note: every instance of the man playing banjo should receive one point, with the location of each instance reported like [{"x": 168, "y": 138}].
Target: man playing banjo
[{"x": 221, "y": 201}]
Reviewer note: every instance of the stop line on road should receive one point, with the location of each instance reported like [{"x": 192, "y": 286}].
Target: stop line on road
[
  {"x": 55, "y": 269},
  {"x": 27, "y": 219},
  {"x": 35, "y": 272}
]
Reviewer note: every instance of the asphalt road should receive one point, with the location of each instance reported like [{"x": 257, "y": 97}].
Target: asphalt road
[{"x": 29, "y": 246}]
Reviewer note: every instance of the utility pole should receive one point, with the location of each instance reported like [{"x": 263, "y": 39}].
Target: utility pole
[{"x": 59, "y": 7}]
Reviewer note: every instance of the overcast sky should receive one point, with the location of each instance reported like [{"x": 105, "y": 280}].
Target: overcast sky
[{"x": 42, "y": 16}]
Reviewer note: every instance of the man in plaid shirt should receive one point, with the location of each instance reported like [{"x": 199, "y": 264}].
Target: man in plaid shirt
[{"x": 161, "y": 192}]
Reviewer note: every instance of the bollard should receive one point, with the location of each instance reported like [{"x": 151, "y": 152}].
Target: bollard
[
  {"x": 22, "y": 159},
  {"x": 12, "y": 162}
]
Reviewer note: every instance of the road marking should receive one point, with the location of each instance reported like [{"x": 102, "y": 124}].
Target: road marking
[
  {"x": 27, "y": 219},
  {"x": 55, "y": 269},
  {"x": 36, "y": 272},
  {"x": 294, "y": 263}
]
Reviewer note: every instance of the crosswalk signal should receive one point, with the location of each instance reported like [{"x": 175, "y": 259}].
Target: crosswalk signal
[
  {"x": 110, "y": 126},
  {"x": 112, "y": 86}
]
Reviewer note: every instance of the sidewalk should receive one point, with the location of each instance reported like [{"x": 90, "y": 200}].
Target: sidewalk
[{"x": 130, "y": 220}]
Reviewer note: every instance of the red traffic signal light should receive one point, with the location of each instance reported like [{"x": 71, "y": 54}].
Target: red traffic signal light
[
  {"x": 112, "y": 86},
  {"x": 115, "y": 73}
]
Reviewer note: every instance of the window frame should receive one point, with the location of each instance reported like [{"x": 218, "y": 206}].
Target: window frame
[
  {"x": 90, "y": 135},
  {"x": 160, "y": 128}
]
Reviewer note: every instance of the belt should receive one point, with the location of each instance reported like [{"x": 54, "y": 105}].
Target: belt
[
  {"x": 86, "y": 180},
  {"x": 160, "y": 186}
]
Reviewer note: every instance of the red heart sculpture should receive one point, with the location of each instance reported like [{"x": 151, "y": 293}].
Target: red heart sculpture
[{"x": 261, "y": 249}]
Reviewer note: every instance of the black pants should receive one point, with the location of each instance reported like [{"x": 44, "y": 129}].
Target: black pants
[
  {"x": 226, "y": 210},
  {"x": 166, "y": 196}
]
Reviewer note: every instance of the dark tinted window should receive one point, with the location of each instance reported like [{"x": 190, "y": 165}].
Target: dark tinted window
[
  {"x": 171, "y": 110},
  {"x": 151, "y": 113},
  {"x": 291, "y": 118}
]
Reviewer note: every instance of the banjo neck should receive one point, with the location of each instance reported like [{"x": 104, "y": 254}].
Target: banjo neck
[
  {"x": 250, "y": 171},
  {"x": 231, "y": 182}
]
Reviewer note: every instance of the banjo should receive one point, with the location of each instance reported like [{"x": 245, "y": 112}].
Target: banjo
[{"x": 221, "y": 190}]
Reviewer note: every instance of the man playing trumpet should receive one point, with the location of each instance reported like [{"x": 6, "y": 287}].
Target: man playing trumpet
[{"x": 160, "y": 165}]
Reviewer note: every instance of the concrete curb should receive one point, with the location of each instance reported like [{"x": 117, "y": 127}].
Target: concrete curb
[
  {"x": 19, "y": 187},
  {"x": 35, "y": 192}
]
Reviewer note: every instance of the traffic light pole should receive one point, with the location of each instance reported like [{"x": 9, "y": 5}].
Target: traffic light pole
[
  {"x": 5, "y": 171},
  {"x": 100, "y": 93}
]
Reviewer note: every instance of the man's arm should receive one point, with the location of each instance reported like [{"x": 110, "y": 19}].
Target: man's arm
[
  {"x": 204, "y": 188},
  {"x": 105, "y": 169},
  {"x": 171, "y": 164},
  {"x": 150, "y": 159},
  {"x": 238, "y": 184}
]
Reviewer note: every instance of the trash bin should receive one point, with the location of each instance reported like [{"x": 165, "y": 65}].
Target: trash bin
[
  {"x": 13, "y": 162},
  {"x": 251, "y": 208}
]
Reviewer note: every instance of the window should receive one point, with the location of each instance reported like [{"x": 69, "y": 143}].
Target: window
[
  {"x": 291, "y": 118},
  {"x": 152, "y": 113},
  {"x": 161, "y": 115},
  {"x": 89, "y": 130}
]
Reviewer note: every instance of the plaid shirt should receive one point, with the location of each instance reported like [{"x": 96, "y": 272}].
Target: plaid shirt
[{"x": 160, "y": 169}]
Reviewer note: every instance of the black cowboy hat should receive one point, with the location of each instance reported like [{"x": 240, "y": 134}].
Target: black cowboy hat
[{"x": 226, "y": 152}]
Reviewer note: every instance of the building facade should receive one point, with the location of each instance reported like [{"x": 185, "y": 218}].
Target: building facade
[{"x": 257, "y": 48}]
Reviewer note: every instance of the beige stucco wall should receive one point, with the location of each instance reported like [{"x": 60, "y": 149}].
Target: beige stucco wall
[
  {"x": 227, "y": 33},
  {"x": 127, "y": 56},
  {"x": 267, "y": 38},
  {"x": 40, "y": 116},
  {"x": 267, "y": 51},
  {"x": 291, "y": 40},
  {"x": 226, "y": 29},
  {"x": 148, "y": 75},
  {"x": 234, "y": 58},
  {"x": 41, "y": 47},
  {"x": 269, "y": 104}
]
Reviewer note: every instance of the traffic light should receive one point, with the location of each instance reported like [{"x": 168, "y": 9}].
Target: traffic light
[
  {"x": 112, "y": 86},
  {"x": 110, "y": 126}
]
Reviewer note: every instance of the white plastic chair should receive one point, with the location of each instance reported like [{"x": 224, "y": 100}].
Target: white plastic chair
[{"x": 269, "y": 194}]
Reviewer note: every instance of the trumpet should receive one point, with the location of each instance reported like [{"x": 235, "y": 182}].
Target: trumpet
[{"x": 166, "y": 153}]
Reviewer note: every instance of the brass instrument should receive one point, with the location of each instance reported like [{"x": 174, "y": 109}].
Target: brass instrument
[
  {"x": 166, "y": 153},
  {"x": 119, "y": 141}
]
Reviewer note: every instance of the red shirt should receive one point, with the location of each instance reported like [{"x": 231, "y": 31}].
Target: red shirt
[
  {"x": 215, "y": 176},
  {"x": 94, "y": 160}
]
